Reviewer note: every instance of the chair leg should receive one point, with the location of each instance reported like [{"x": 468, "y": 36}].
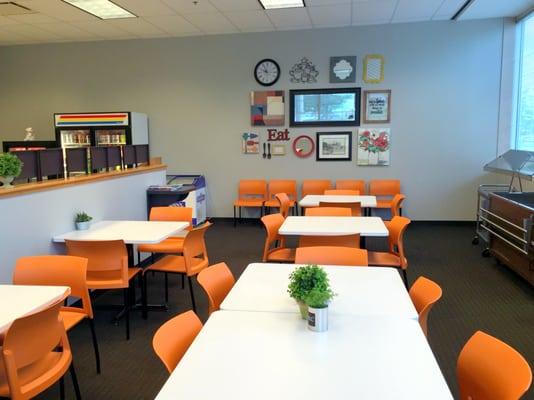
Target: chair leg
[
  {"x": 144, "y": 296},
  {"x": 240, "y": 218},
  {"x": 95, "y": 344},
  {"x": 192, "y": 295},
  {"x": 405, "y": 278},
  {"x": 166, "y": 287},
  {"x": 138, "y": 257},
  {"x": 62, "y": 388},
  {"x": 75, "y": 381},
  {"x": 127, "y": 311},
  {"x": 183, "y": 281},
  {"x": 234, "y": 218}
]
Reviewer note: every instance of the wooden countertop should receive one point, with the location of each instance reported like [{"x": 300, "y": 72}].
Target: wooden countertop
[{"x": 25, "y": 188}]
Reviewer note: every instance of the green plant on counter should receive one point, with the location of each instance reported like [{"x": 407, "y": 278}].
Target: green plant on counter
[
  {"x": 303, "y": 279},
  {"x": 82, "y": 217},
  {"x": 10, "y": 165},
  {"x": 319, "y": 296}
]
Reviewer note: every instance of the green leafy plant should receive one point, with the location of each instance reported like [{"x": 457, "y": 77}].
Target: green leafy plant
[
  {"x": 319, "y": 296},
  {"x": 82, "y": 217},
  {"x": 10, "y": 165},
  {"x": 304, "y": 279}
]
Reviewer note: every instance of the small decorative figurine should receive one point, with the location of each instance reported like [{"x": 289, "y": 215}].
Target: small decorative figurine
[{"x": 29, "y": 134}]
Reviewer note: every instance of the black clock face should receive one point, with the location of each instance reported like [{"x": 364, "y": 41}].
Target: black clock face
[{"x": 267, "y": 72}]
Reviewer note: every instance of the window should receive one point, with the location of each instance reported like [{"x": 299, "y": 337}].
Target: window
[
  {"x": 524, "y": 135},
  {"x": 325, "y": 107}
]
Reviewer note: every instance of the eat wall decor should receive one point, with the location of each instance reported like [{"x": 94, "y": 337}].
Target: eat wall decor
[{"x": 274, "y": 135}]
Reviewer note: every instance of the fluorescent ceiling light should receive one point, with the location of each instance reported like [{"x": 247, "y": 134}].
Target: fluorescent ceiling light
[
  {"x": 273, "y": 4},
  {"x": 104, "y": 9}
]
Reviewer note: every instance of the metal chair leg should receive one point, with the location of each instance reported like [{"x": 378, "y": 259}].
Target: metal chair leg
[
  {"x": 166, "y": 287},
  {"x": 62, "y": 388},
  {"x": 144, "y": 296},
  {"x": 183, "y": 281},
  {"x": 127, "y": 311},
  {"x": 192, "y": 295},
  {"x": 234, "y": 218},
  {"x": 75, "y": 381},
  {"x": 95, "y": 344}
]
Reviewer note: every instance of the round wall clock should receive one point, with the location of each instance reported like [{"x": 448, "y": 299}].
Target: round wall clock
[
  {"x": 267, "y": 72},
  {"x": 303, "y": 146}
]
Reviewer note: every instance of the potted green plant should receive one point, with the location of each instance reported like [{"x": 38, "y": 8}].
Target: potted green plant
[
  {"x": 301, "y": 281},
  {"x": 317, "y": 300},
  {"x": 82, "y": 221},
  {"x": 10, "y": 168}
]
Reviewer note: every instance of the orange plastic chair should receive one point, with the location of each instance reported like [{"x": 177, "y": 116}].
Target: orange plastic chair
[
  {"x": 341, "y": 192},
  {"x": 289, "y": 187},
  {"x": 107, "y": 268},
  {"x": 327, "y": 255},
  {"x": 351, "y": 184},
  {"x": 424, "y": 294},
  {"x": 396, "y": 205},
  {"x": 278, "y": 253},
  {"x": 216, "y": 280},
  {"x": 315, "y": 186},
  {"x": 174, "y": 337},
  {"x": 193, "y": 260},
  {"x": 355, "y": 207},
  {"x": 328, "y": 212},
  {"x": 36, "y": 354},
  {"x": 61, "y": 271},
  {"x": 489, "y": 369},
  {"x": 284, "y": 203},
  {"x": 384, "y": 190},
  {"x": 338, "y": 241},
  {"x": 395, "y": 257},
  {"x": 251, "y": 193}
]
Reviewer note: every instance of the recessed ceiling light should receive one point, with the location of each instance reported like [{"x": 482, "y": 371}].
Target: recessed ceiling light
[
  {"x": 104, "y": 9},
  {"x": 273, "y": 4}
]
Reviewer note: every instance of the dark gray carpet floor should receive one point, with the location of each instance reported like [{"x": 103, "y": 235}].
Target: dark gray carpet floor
[{"x": 478, "y": 294}]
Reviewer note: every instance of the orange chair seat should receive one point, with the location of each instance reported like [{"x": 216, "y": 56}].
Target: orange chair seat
[
  {"x": 276, "y": 203},
  {"x": 283, "y": 254},
  {"x": 72, "y": 318},
  {"x": 109, "y": 279},
  {"x": 173, "y": 245},
  {"x": 176, "y": 265},
  {"x": 384, "y": 259},
  {"x": 248, "y": 203}
]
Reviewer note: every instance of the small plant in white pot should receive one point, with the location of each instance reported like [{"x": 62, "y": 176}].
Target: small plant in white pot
[
  {"x": 301, "y": 281},
  {"x": 10, "y": 168},
  {"x": 317, "y": 300},
  {"x": 82, "y": 220}
]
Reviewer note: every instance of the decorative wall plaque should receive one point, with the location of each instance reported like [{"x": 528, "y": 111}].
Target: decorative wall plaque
[{"x": 303, "y": 72}]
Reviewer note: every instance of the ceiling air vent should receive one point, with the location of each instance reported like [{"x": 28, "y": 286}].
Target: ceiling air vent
[{"x": 8, "y": 8}]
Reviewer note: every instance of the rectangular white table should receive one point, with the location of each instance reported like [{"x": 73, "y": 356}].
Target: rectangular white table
[
  {"x": 266, "y": 356},
  {"x": 313, "y": 200},
  {"x": 334, "y": 226},
  {"x": 19, "y": 300},
  {"x": 360, "y": 291}
]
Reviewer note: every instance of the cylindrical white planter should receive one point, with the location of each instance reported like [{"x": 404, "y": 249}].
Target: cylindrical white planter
[
  {"x": 318, "y": 319},
  {"x": 82, "y": 226},
  {"x": 6, "y": 181}
]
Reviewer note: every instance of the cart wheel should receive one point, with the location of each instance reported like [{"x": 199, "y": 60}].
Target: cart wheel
[
  {"x": 486, "y": 253},
  {"x": 475, "y": 240}
]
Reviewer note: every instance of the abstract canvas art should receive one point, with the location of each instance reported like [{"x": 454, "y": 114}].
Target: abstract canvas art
[
  {"x": 267, "y": 108},
  {"x": 374, "y": 145},
  {"x": 250, "y": 143}
]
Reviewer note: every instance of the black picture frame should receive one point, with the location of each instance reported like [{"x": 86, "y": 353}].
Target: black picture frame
[
  {"x": 357, "y": 105},
  {"x": 318, "y": 146}
]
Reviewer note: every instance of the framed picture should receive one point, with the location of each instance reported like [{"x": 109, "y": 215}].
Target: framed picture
[
  {"x": 376, "y": 106},
  {"x": 334, "y": 146},
  {"x": 250, "y": 143},
  {"x": 343, "y": 69},
  {"x": 267, "y": 108},
  {"x": 374, "y": 145},
  {"x": 373, "y": 68},
  {"x": 278, "y": 150}
]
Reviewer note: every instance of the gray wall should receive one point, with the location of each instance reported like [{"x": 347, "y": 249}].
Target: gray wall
[{"x": 445, "y": 79}]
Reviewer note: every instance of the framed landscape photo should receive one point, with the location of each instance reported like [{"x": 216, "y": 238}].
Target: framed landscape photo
[
  {"x": 334, "y": 146},
  {"x": 376, "y": 106}
]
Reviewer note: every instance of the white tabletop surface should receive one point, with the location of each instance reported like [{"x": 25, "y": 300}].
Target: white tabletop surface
[
  {"x": 132, "y": 232},
  {"x": 312, "y": 200},
  {"x": 333, "y": 226},
  {"x": 360, "y": 291},
  {"x": 266, "y": 356},
  {"x": 19, "y": 300}
]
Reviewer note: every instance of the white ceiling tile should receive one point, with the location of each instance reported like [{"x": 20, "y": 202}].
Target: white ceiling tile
[
  {"x": 57, "y": 9},
  {"x": 67, "y": 31},
  {"x": 250, "y": 21},
  {"x": 7, "y": 21},
  {"x": 173, "y": 24},
  {"x": 290, "y": 18},
  {"x": 448, "y": 9},
  {"x": 211, "y": 23},
  {"x": 236, "y": 5},
  {"x": 416, "y": 10},
  {"x": 11, "y": 37},
  {"x": 373, "y": 11},
  {"x": 333, "y": 15},
  {"x": 188, "y": 7},
  {"x": 103, "y": 29},
  {"x": 31, "y": 32},
  {"x": 493, "y": 9},
  {"x": 37, "y": 18},
  {"x": 316, "y": 3},
  {"x": 145, "y": 8},
  {"x": 137, "y": 26}
]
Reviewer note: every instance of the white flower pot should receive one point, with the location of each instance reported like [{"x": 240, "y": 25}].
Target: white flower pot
[
  {"x": 318, "y": 319},
  {"x": 6, "y": 181},
  {"x": 82, "y": 226}
]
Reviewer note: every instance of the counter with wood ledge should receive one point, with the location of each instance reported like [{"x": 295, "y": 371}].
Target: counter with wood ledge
[{"x": 32, "y": 213}]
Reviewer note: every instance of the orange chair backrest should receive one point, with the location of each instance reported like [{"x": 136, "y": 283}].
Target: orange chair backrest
[
  {"x": 328, "y": 212},
  {"x": 424, "y": 294},
  {"x": 384, "y": 187},
  {"x": 272, "y": 223},
  {"x": 489, "y": 369},
  {"x": 351, "y": 184},
  {"x": 174, "y": 337},
  {"x": 287, "y": 186},
  {"x": 327, "y": 255},
  {"x": 195, "y": 252},
  {"x": 397, "y": 226},
  {"x": 341, "y": 192},
  {"x": 343, "y": 241},
  {"x": 396, "y": 204},
  {"x": 180, "y": 214},
  {"x": 285, "y": 203},
  {"x": 216, "y": 280},
  {"x": 355, "y": 207},
  {"x": 29, "y": 340},
  {"x": 55, "y": 270},
  {"x": 311, "y": 186},
  {"x": 256, "y": 188}
]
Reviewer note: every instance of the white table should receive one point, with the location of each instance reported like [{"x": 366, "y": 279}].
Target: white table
[
  {"x": 333, "y": 226},
  {"x": 131, "y": 232},
  {"x": 266, "y": 356},
  {"x": 19, "y": 300},
  {"x": 360, "y": 291},
  {"x": 313, "y": 200}
]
